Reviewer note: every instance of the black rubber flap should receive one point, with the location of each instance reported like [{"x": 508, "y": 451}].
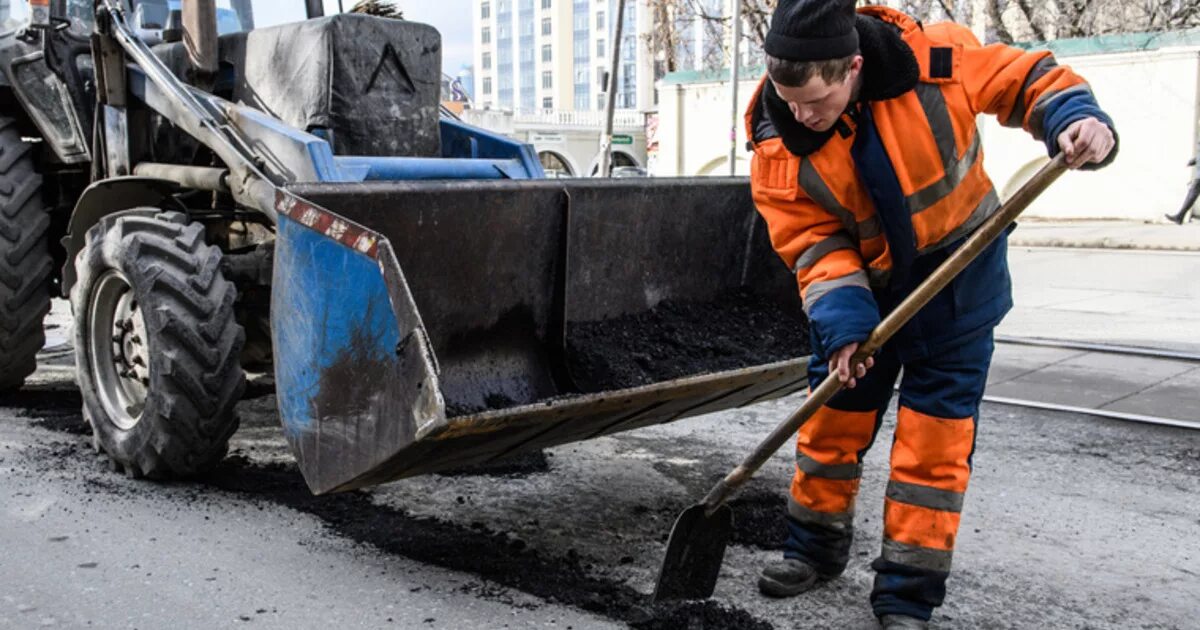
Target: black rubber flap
[{"x": 695, "y": 552}]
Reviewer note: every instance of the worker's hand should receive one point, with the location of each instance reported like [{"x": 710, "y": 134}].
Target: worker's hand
[
  {"x": 841, "y": 363},
  {"x": 1086, "y": 140}
]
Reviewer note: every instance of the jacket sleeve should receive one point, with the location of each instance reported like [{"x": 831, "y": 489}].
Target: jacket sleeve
[
  {"x": 1027, "y": 90},
  {"x": 814, "y": 244}
]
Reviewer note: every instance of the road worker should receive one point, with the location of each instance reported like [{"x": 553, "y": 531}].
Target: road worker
[{"x": 868, "y": 171}]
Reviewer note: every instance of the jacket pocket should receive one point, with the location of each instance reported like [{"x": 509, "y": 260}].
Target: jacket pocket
[{"x": 775, "y": 171}]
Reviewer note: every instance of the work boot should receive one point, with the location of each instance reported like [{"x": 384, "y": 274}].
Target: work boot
[
  {"x": 902, "y": 622},
  {"x": 786, "y": 578}
]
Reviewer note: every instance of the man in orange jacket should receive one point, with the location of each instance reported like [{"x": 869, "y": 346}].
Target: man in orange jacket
[{"x": 868, "y": 171}]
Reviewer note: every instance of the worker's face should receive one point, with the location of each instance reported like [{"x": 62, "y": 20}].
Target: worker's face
[{"x": 818, "y": 104}]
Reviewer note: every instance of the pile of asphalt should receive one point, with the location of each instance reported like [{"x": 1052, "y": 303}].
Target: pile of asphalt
[
  {"x": 759, "y": 520},
  {"x": 681, "y": 338}
]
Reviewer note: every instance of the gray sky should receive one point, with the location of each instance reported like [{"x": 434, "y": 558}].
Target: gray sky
[{"x": 453, "y": 19}]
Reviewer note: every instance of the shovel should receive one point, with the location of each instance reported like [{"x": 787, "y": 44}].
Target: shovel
[{"x": 701, "y": 533}]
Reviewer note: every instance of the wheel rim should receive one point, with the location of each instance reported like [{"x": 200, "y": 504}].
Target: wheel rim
[{"x": 119, "y": 350}]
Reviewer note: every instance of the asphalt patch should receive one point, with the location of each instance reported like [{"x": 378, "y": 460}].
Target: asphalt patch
[
  {"x": 477, "y": 549},
  {"x": 497, "y": 557},
  {"x": 58, "y": 410},
  {"x": 520, "y": 465},
  {"x": 679, "y": 338}
]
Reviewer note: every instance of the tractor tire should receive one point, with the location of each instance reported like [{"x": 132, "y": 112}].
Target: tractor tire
[
  {"x": 25, "y": 260},
  {"x": 156, "y": 344}
]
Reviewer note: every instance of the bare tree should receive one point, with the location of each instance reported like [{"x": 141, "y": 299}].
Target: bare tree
[
  {"x": 381, "y": 8},
  {"x": 672, "y": 41}
]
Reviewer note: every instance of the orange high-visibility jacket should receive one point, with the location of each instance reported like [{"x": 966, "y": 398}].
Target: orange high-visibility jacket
[{"x": 821, "y": 218}]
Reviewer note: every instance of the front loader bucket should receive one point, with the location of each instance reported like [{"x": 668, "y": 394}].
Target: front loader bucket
[{"x": 424, "y": 326}]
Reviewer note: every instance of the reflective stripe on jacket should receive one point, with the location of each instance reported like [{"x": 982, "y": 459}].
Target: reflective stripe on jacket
[{"x": 820, "y": 216}]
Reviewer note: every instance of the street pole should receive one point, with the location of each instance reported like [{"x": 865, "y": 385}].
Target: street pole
[
  {"x": 734, "y": 62},
  {"x": 606, "y": 139}
]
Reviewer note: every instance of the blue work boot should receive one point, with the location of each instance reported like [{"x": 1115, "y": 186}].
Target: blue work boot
[
  {"x": 902, "y": 622},
  {"x": 787, "y": 577}
]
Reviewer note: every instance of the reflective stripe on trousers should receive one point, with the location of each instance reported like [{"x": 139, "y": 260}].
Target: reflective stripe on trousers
[{"x": 930, "y": 467}]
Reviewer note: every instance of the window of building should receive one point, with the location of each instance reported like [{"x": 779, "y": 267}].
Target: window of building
[
  {"x": 599, "y": 20},
  {"x": 599, "y": 47},
  {"x": 548, "y": 102},
  {"x": 545, "y": 26},
  {"x": 485, "y": 10},
  {"x": 547, "y": 53},
  {"x": 486, "y": 35},
  {"x": 547, "y": 3},
  {"x": 487, "y": 61},
  {"x": 547, "y": 79},
  {"x": 601, "y": 101},
  {"x": 602, "y": 77},
  {"x": 487, "y": 85}
]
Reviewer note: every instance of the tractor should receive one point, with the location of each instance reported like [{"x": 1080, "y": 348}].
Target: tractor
[{"x": 214, "y": 196}]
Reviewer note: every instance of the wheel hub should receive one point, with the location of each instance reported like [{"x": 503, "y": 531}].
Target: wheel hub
[{"x": 119, "y": 350}]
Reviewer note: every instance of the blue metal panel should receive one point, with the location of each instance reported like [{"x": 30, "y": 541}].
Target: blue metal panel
[
  {"x": 330, "y": 306},
  {"x": 394, "y": 168},
  {"x": 460, "y": 140}
]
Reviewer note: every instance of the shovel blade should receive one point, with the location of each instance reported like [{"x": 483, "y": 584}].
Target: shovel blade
[{"x": 694, "y": 554}]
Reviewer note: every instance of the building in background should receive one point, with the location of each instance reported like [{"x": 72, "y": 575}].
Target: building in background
[{"x": 555, "y": 54}]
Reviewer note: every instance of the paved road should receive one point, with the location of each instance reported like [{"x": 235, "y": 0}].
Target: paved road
[{"x": 1071, "y": 522}]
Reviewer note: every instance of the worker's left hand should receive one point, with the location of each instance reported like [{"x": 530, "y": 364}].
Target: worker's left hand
[{"x": 1086, "y": 140}]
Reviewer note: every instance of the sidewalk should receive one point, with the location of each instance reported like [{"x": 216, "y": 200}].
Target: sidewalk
[
  {"x": 1107, "y": 235},
  {"x": 1130, "y": 297}
]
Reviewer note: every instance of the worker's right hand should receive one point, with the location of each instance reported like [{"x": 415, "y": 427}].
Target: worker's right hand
[{"x": 846, "y": 373}]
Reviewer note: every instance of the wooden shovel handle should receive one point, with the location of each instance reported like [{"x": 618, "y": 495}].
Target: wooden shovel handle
[{"x": 951, "y": 267}]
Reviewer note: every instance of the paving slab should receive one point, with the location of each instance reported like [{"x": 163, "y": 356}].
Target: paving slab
[
  {"x": 1176, "y": 397},
  {"x": 1012, "y": 360},
  {"x": 1071, "y": 385}
]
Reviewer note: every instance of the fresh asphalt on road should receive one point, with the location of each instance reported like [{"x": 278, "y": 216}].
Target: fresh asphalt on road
[{"x": 1070, "y": 522}]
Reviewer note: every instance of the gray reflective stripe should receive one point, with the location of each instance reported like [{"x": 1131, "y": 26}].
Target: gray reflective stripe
[
  {"x": 844, "y": 472},
  {"x": 870, "y": 228},
  {"x": 818, "y": 191},
  {"x": 934, "y": 103},
  {"x": 836, "y": 520},
  {"x": 833, "y": 242},
  {"x": 914, "y": 556},
  {"x": 1039, "y": 108},
  {"x": 988, "y": 206},
  {"x": 955, "y": 172},
  {"x": 1039, "y": 70},
  {"x": 924, "y": 496},
  {"x": 818, "y": 289}
]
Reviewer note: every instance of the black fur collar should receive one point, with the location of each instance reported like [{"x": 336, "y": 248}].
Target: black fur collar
[{"x": 889, "y": 70}]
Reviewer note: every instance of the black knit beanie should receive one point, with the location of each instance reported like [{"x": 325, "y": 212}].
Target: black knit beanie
[{"x": 812, "y": 30}]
